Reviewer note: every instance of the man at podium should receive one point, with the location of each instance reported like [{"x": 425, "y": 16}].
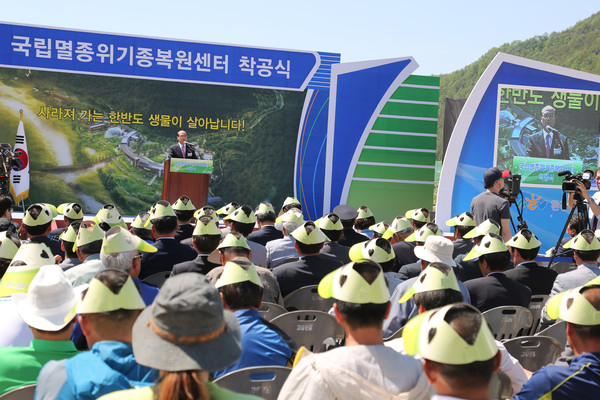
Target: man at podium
[{"x": 183, "y": 149}]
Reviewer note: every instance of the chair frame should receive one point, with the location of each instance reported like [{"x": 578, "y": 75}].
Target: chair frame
[
  {"x": 307, "y": 298},
  {"x": 241, "y": 381},
  {"x": 534, "y": 352},
  {"x": 519, "y": 317},
  {"x": 303, "y": 327}
]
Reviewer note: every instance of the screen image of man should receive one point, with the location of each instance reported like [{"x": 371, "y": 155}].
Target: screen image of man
[
  {"x": 548, "y": 142},
  {"x": 183, "y": 149}
]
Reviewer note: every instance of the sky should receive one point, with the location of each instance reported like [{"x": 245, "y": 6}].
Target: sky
[{"x": 442, "y": 36}]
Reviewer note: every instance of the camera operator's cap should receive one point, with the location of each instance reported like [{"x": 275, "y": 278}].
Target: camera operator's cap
[
  {"x": 120, "y": 240},
  {"x": 325, "y": 223},
  {"x": 100, "y": 298},
  {"x": 487, "y": 226},
  {"x": 292, "y": 215},
  {"x": 88, "y": 234},
  {"x": 432, "y": 279},
  {"x": 240, "y": 270},
  {"x": 315, "y": 236},
  {"x": 206, "y": 226},
  {"x": 242, "y": 214},
  {"x": 49, "y": 300},
  {"x": 491, "y": 175},
  {"x": 417, "y": 215},
  {"x": 422, "y": 234},
  {"x": 231, "y": 240},
  {"x": 46, "y": 215},
  {"x": 520, "y": 242},
  {"x": 264, "y": 208},
  {"x": 491, "y": 243},
  {"x": 363, "y": 213},
  {"x": 109, "y": 215},
  {"x": 139, "y": 222},
  {"x": 69, "y": 235},
  {"x": 24, "y": 266},
  {"x": 548, "y": 110},
  {"x": 370, "y": 250},
  {"x": 580, "y": 243},
  {"x": 290, "y": 201},
  {"x": 345, "y": 212},
  {"x": 8, "y": 248},
  {"x": 398, "y": 224},
  {"x": 380, "y": 228},
  {"x": 206, "y": 211},
  {"x": 184, "y": 203},
  {"x": 461, "y": 220},
  {"x": 346, "y": 284},
  {"x": 68, "y": 210},
  {"x": 573, "y": 307},
  {"x": 436, "y": 249},
  {"x": 226, "y": 210},
  {"x": 429, "y": 335}
]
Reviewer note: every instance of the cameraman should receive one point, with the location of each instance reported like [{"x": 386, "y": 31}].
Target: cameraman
[
  {"x": 490, "y": 205},
  {"x": 593, "y": 201}
]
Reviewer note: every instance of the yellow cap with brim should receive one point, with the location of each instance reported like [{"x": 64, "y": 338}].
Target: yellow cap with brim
[
  {"x": 398, "y": 224},
  {"x": 241, "y": 216},
  {"x": 139, "y": 222},
  {"x": 315, "y": 236},
  {"x": 8, "y": 248},
  {"x": 110, "y": 216},
  {"x": 69, "y": 235},
  {"x": 461, "y": 220},
  {"x": 346, "y": 284},
  {"x": 487, "y": 226},
  {"x": 572, "y": 307},
  {"x": 429, "y": 335},
  {"x": 416, "y": 215},
  {"x": 488, "y": 245},
  {"x": 202, "y": 212},
  {"x": 325, "y": 223},
  {"x": 520, "y": 242},
  {"x": 231, "y": 240},
  {"x": 422, "y": 234},
  {"x": 206, "y": 226},
  {"x": 25, "y": 264},
  {"x": 183, "y": 203},
  {"x": 292, "y": 215},
  {"x": 160, "y": 210},
  {"x": 370, "y": 251},
  {"x": 226, "y": 209},
  {"x": 580, "y": 243},
  {"x": 237, "y": 272},
  {"x": 88, "y": 235},
  {"x": 68, "y": 211},
  {"x": 429, "y": 280},
  {"x": 364, "y": 213},
  {"x": 380, "y": 228},
  {"x": 290, "y": 200},
  {"x": 45, "y": 216},
  {"x": 264, "y": 208},
  {"x": 100, "y": 298},
  {"x": 119, "y": 240}
]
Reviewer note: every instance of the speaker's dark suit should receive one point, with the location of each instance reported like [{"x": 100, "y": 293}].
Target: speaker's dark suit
[
  {"x": 538, "y": 279},
  {"x": 265, "y": 235},
  {"x": 497, "y": 290},
  {"x": 200, "y": 264},
  {"x": 559, "y": 147},
  {"x": 306, "y": 271},
  {"x": 170, "y": 252},
  {"x": 175, "y": 151}
]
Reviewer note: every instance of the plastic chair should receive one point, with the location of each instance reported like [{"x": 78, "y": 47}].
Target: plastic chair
[
  {"x": 557, "y": 331},
  {"x": 271, "y": 310},
  {"x": 157, "y": 279},
  {"x": 314, "y": 330},
  {"x": 562, "y": 267},
  {"x": 307, "y": 298},
  {"x": 23, "y": 393},
  {"x": 265, "y": 382},
  {"x": 534, "y": 352},
  {"x": 536, "y": 304},
  {"x": 507, "y": 322}
]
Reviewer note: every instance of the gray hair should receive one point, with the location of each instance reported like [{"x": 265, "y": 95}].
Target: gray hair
[
  {"x": 291, "y": 226},
  {"x": 119, "y": 261}
]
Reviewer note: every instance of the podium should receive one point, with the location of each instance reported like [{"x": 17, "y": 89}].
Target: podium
[{"x": 184, "y": 176}]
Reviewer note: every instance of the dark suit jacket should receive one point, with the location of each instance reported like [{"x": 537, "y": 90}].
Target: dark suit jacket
[
  {"x": 461, "y": 246},
  {"x": 200, "y": 264},
  {"x": 350, "y": 237},
  {"x": 538, "y": 279},
  {"x": 170, "y": 252},
  {"x": 338, "y": 251},
  {"x": 559, "y": 146},
  {"x": 265, "y": 235},
  {"x": 306, "y": 271},
  {"x": 190, "y": 151},
  {"x": 497, "y": 290},
  {"x": 467, "y": 270},
  {"x": 183, "y": 232},
  {"x": 405, "y": 253},
  {"x": 411, "y": 270}
]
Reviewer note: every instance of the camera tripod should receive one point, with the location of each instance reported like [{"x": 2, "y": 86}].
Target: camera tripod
[{"x": 581, "y": 209}]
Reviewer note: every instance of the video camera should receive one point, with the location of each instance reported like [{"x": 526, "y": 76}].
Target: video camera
[
  {"x": 570, "y": 186},
  {"x": 512, "y": 187}
]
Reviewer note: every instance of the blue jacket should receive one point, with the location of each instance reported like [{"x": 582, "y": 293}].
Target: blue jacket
[{"x": 580, "y": 380}]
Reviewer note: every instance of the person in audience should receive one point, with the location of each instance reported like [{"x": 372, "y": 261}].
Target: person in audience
[
  {"x": 363, "y": 368},
  {"x": 289, "y": 203},
  {"x": 225, "y": 211},
  {"x": 206, "y": 237},
  {"x": 463, "y": 224},
  {"x": 459, "y": 351},
  {"x": 265, "y": 219},
  {"x": 139, "y": 227},
  {"x": 400, "y": 229},
  {"x": 380, "y": 251},
  {"x": 108, "y": 216},
  {"x": 574, "y": 227},
  {"x": 364, "y": 220},
  {"x": 281, "y": 250},
  {"x": 419, "y": 237},
  {"x": 242, "y": 220},
  {"x": 37, "y": 222},
  {"x": 184, "y": 210},
  {"x": 72, "y": 212},
  {"x": 417, "y": 217},
  {"x": 580, "y": 308},
  {"x": 495, "y": 289},
  {"x": 469, "y": 269},
  {"x": 379, "y": 229},
  {"x": 331, "y": 226},
  {"x": 106, "y": 313},
  {"x": 44, "y": 308},
  {"x": 524, "y": 247},
  {"x": 9, "y": 245},
  {"x": 169, "y": 251},
  {"x": 67, "y": 239},
  {"x": 348, "y": 216},
  {"x": 87, "y": 247},
  {"x": 312, "y": 265},
  {"x": 263, "y": 343}
]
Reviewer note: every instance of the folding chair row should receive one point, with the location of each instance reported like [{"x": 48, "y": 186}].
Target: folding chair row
[
  {"x": 307, "y": 298},
  {"x": 265, "y": 382},
  {"x": 315, "y": 330}
]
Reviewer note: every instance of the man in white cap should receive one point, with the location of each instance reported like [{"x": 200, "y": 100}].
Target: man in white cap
[
  {"x": 184, "y": 210},
  {"x": 289, "y": 203},
  {"x": 9, "y": 244},
  {"x": 107, "y": 313},
  {"x": 364, "y": 368},
  {"x": 140, "y": 228},
  {"x": 225, "y": 211},
  {"x": 243, "y": 220},
  {"x": 331, "y": 226},
  {"x": 72, "y": 212},
  {"x": 265, "y": 219},
  {"x": 67, "y": 240},
  {"x": 364, "y": 220},
  {"x": 312, "y": 265},
  {"x": 281, "y": 250},
  {"x": 44, "y": 309},
  {"x": 87, "y": 246},
  {"x": 109, "y": 216},
  {"x": 37, "y": 222},
  {"x": 206, "y": 237},
  {"x": 380, "y": 251},
  {"x": 400, "y": 229},
  {"x": 469, "y": 269},
  {"x": 463, "y": 224},
  {"x": 435, "y": 249}
]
